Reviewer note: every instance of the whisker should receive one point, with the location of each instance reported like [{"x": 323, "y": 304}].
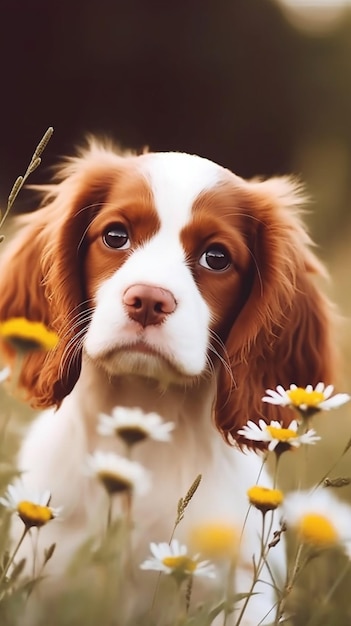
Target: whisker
[
  {"x": 220, "y": 342},
  {"x": 210, "y": 370},
  {"x": 71, "y": 350},
  {"x": 224, "y": 363},
  {"x": 77, "y": 321},
  {"x": 224, "y": 357},
  {"x": 71, "y": 317}
]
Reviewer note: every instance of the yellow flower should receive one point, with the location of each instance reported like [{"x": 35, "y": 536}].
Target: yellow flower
[
  {"x": 134, "y": 426},
  {"x": 265, "y": 499},
  {"x": 278, "y": 438},
  {"x": 33, "y": 514},
  {"x": 173, "y": 559},
  {"x": 305, "y": 397},
  {"x": 27, "y": 336},
  {"x": 215, "y": 540},
  {"x": 183, "y": 562},
  {"x": 307, "y": 400},
  {"x": 319, "y": 518},
  {"x": 317, "y": 529},
  {"x": 33, "y": 509},
  {"x": 117, "y": 474}
]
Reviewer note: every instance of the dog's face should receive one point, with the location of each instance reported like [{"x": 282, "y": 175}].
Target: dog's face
[
  {"x": 163, "y": 254},
  {"x": 171, "y": 267}
]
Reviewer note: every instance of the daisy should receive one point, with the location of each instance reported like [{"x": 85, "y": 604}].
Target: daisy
[
  {"x": 215, "y": 540},
  {"x": 32, "y": 508},
  {"x": 306, "y": 399},
  {"x": 265, "y": 499},
  {"x": 319, "y": 518},
  {"x": 172, "y": 558},
  {"x": 277, "y": 437},
  {"x": 133, "y": 425},
  {"x": 27, "y": 336},
  {"x": 117, "y": 474}
]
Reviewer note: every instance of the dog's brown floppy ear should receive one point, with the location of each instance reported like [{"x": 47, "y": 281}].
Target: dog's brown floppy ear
[
  {"x": 283, "y": 334},
  {"x": 41, "y": 272}
]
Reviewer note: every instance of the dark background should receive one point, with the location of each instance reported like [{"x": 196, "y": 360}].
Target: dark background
[{"x": 231, "y": 80}]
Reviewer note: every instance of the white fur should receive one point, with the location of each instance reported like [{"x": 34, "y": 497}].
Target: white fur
[
  {"x": 176, "y": 179},
  {"x": 55, "y": 449},
  {"x": 183, "y": 336}
]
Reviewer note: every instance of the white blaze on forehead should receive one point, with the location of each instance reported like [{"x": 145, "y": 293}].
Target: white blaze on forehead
[{"x": 176, "y": 180}]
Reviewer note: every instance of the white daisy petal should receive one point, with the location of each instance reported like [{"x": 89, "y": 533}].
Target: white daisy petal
[
  {"x": 173, "y": 559},
  {"x": 116, "y": 473},
  {"x": 133, "y": 425},
  {"x": 261, "y": 423},
  {"x": 281, "y": 391},
  {"x": 328, "y": 391},
  {"x": 319, "y": 517},
  {"x": 306, "y": 399},
  {"x": 278, "y": 438},
  {"x": 309, "y": 437},
  {"x": 275, "y": 398},
  {"x": 335, "y": 401},
  {"x": 33, "y": 509}
]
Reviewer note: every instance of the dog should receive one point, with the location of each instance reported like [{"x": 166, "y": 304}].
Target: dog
[{"x": 178, "y": 287}]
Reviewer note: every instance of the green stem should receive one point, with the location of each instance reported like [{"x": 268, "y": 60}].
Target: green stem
[
  {"x": 258, "y": 569},
  {"x": 109, "y": 512},
  {"x": 230, "y": 585},
  {"x": 275, "y": 478},
  {"x": 35, "y": 549},
  {"x": 6, "y": 569},
  {"x": 250, "y": 506},
  {"x": 189, "y": 589},
  {"x": 289, "y": 585}
]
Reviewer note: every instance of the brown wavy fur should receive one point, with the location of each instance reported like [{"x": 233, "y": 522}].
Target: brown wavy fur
[{"x": 282, "y": 335}]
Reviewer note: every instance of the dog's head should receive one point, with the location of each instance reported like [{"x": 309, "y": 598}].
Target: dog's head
[{"x": 169, "y": 266}]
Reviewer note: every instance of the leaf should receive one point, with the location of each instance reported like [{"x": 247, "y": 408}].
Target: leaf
[{"x": 48, "y": 552}]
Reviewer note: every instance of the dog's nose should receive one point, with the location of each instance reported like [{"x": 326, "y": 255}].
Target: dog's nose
[{"x": 147, "y": 304}]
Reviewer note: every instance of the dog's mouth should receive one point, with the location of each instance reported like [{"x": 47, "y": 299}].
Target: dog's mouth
[{"x": 143, "y": 359}]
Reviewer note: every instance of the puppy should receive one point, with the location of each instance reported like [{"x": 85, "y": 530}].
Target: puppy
[{"x": 178, "y": 287}]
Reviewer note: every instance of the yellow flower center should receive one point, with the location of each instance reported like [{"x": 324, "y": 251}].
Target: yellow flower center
[
  {"x": 317, "y": 530},
  {"x": 183, "y": 563},
  {"x": 301, "y": 396},
  {"x": 215, "y": 540},
  {"x": 282, "y": 434},
  {"x": 265, "y": 499},
  {"x": 131, "y": 434},
  {"x": 33, "y": 514},
  {"x": 26, "y": 335},
  {"x": 114, "y": 483}
]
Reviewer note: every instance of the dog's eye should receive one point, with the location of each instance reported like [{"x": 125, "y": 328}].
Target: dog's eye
[
  {"x": 215, "y": 258},
  {"x": 116, "y": 236}
]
